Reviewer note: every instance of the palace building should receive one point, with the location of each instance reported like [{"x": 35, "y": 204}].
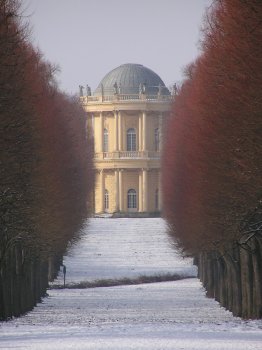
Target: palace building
[{"x": 126, "y": 114}]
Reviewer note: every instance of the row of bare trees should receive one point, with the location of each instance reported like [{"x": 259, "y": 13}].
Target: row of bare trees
[
  {"x": 212, "y": 170},
  {"x": 45, "y": 167}
]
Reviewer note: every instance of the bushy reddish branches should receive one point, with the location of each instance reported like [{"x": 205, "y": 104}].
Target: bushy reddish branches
[
  {"x": 46, "y": 164},
  {"x": 212, "y": 168}
]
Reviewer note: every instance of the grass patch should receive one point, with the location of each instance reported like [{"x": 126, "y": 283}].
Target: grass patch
[{"x": 121, "y": 282}]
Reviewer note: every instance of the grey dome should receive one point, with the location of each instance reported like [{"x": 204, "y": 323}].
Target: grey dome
[{"x": 129, "y": 78}]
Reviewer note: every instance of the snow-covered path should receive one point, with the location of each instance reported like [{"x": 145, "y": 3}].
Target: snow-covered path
[
  {"x": 169, "y": 315},
  {"x": 116, "y": 248}
]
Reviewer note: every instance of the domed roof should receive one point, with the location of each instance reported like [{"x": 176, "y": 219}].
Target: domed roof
[{"x": 131, "y": 78}]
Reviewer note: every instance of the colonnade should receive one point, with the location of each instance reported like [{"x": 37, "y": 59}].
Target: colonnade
[
  {"x": 118, "y": 139},
  {"x": 118, "y": 195},
  {"x": 121, "y": 196}
]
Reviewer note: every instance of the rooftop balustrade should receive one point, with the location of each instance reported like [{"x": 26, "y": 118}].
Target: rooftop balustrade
[
  {"x": 124, "y": 97},
  {"x": 127, "y": 155}
]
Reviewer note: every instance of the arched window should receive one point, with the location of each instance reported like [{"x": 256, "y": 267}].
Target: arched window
[
  {"x": 156, "y": 138},
  {"x": 131, "y": 140},
  {"x": 106, "y": 200},
  {"x": 157, "y": 199},
  {"x": 131, "y": 199},
  {"x": 105, "y": 144}
]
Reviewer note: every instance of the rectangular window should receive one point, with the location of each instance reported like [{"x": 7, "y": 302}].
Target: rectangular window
[
  {"x": 106, "y": 200},
  {"x": 131, "y": 199},
  {"x": 131, "y": 140},
  {"x": 105, "y": 141}
]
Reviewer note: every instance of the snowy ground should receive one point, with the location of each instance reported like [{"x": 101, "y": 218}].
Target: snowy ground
[
  {"x": 115, "y": 248},
  {"x": 169, "y": 315}
]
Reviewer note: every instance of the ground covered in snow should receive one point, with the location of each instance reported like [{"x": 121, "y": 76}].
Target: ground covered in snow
[
  {"x": 117, "y": 248},
  {"x": 168, "y": 315}
]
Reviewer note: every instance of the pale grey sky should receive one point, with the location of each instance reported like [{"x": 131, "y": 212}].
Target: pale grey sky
[{"x": 88, "y": 38}]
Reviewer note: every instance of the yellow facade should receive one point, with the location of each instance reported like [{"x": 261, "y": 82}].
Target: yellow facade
[{"x": 127, "y": 130}]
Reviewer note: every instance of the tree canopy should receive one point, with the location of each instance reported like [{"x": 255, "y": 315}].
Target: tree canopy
[{"x": 212, "y": 156}]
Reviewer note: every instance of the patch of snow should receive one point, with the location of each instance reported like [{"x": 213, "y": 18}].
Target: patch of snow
[
  {"x": 117, "y": 248},
  {"x": 168, "y": 315}
]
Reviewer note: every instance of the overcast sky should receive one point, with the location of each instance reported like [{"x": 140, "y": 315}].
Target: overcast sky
[{"x": 89, "y": 38}]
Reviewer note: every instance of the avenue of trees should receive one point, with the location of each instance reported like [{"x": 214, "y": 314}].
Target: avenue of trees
[
  {"x": 45, "y": 167},
  {"x": 212, "y": 169}
]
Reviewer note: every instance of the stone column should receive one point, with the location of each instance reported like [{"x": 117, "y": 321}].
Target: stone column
[
  {"x": 120, "y": 190},
  {"x": 144, "y": 147},
  {"x": 160, "y": 129},
  {"x": 159, "y": 190},
  {"x": 92, "y": 125},
  {"x": 140, "y": 194},
  {"x": 117, "y": 190},
  {"x": 120, "y": 145},
  {"x": 116, "y": 131},
  {"x": 140, "y": 133},
  {"x": 101, "y": 132},
  {"x": 145, "y": 194},
  {"x": 102, "y": 190}
]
